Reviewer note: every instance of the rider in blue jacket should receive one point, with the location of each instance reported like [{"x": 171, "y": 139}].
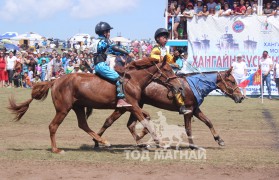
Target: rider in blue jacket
[{"x": 104, "y": 47}]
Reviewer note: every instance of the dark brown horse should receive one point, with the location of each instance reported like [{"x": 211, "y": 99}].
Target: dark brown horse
[
  {"x": 157, "y": 95},
  {"x": 77, "y": 91}
]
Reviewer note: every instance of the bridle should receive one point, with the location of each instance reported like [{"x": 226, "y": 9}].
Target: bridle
[
  {"x": 227, "y": 87},
  {"x": 161, "y": 74}
]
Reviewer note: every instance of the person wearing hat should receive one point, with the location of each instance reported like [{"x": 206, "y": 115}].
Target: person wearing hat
[
  {"x": 76, "y": 69},
  {"x": 44, "y": 69},
  {"x": 103, "y": 48},
  {"x": 158, "y": 52},
  {"x": 37, "y": 79},
  {"x": 189, "y": 11},
  {"x": 239, "y": 71}
]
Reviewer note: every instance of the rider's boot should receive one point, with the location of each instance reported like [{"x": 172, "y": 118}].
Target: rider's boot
[
  {"x": 120, "y": 95},
  {"x": 180, "y": 102}
]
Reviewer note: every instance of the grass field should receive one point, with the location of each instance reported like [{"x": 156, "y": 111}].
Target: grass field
[{"x": 250, "y": 131}]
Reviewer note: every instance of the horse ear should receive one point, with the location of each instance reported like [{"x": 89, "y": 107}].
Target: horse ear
[{"x": 229, "y": 71}]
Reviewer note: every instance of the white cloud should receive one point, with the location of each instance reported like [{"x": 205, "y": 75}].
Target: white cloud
[
  {"x": 93, "y": 8},
  {"x": 28, "y": 10}
]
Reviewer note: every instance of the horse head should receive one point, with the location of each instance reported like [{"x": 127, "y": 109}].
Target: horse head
[
  {"x": 227, "y": 84},
  {"x": 160, "y": 72}
]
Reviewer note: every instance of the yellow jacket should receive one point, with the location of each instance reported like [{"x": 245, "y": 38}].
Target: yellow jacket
[{"x": 156, "y": 54}]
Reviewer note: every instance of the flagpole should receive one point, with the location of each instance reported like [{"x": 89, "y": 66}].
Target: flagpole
[{"x": 262, "y": 86}]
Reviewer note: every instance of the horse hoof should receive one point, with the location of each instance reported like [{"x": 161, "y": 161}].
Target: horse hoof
[
  {"x": 194, "y": 147},
  {"x": 58, "y": 151},
  {"x": 143, "y": 145},
  {"x": 221, "y": 143},
  {"x": 106, "y": 143}
]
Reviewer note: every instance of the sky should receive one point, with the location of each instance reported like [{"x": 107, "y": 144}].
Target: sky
[{"x": 133, "y": 19}]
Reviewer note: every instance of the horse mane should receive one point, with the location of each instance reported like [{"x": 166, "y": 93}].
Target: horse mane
[{"x": 138, "y": 64}]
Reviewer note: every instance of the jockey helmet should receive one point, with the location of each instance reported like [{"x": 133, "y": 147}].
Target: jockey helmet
[
  {"x": 101, "y": 27},
  {"x": 161, "y": 32}
]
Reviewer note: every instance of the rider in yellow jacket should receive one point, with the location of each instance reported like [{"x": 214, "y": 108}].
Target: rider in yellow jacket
[{"x": 159, "y": 52}]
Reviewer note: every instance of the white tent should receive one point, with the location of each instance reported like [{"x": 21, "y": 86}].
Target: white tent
[
  {"x": 30, "y": 38},
  {"x": 80, "y": 38},
  {"x": 120, "y": 39}
]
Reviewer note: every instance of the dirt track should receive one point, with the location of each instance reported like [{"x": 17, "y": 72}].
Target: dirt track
[{"x": 250, "y": 131}]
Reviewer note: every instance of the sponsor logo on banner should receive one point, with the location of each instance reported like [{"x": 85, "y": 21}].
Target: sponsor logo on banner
[{"x": 238, "y": 26}]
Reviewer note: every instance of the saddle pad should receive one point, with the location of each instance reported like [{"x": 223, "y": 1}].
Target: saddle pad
[{"x": 202, "y": 85}]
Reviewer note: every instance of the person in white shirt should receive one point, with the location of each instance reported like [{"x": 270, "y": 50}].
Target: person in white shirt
[
  {"x": 266, "y": 66},
  {"x": 11, "y": 62},
  {"x": 239, "y": 71},
  {"x": 276, "y": 75}
]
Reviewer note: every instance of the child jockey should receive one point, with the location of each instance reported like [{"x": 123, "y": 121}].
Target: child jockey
[
  {"x": 158, "y": 52},
  {"x": 104, "y": 47}
]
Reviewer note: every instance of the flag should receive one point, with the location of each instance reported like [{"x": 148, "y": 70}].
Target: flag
[{"x": 253, "y": 79}]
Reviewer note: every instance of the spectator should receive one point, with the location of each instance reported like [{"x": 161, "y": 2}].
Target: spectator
[
  {"x": 56, "y": 64},
  {"x": 11, "y": 62},
  {"x": 175, "y": 10},
  {"x": 274, "y": 7},
  {"x": 30, "y": 73},
  {"x": 70, "y": 68},
  {"x": 240, "y": 71},
  {"x": 255, "y": 7},
  {"x": 267, "y": 10},
  {"x": 199, "y": 7},
  {"x": 247, "y": 4},
  {"x": 249, "y": 11},
  {"x": 235, "y": 7},
  {"x": 276, "y": 75},
  {"x": 189, "y": 11},
  {"x": 178, "y": 61},
  {"x": 44, "y": 69},
  {"x": 26, "y": 81},
  {"x": 3, "y": 70},
  {"x": 76, "y": 69},
  {"x": 211, "y": 5},
  {"x": 227, "y": 11},
  {"x": 218, "y": 8},
  {"x": 211, "y": 12},
  {"x": 241, "y": 8},
  {"x": 37, "y": 79},
  {"x": 204, "y": 11},
  {"x": 266, "y": 66}
]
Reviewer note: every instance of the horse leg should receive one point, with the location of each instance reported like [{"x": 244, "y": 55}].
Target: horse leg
[
  {"x": 198, "y": 113},
  {"x": 144, "y": 130},
  {"x": 82, "y": 123},
  {"x": 109, "y": 121},
  {"x": 188, "y": 129},
  {"x": 53, "y": 126},
  {"x": 137, "y": 112}
]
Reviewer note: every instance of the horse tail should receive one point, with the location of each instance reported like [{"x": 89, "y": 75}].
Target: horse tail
[{"x": 39, "y": 92}]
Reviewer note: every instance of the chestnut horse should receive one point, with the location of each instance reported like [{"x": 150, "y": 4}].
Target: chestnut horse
[
  {"x": 157, "y": 95},
  {"x": 77, "y": 91}
]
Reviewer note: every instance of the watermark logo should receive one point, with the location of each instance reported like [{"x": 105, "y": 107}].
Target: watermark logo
[
  {"x": 170, "y": 135},
  {"x": 145, "y": 155}
]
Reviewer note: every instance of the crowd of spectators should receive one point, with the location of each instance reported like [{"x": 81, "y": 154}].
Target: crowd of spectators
[
  {"x": 26, "y": 67},
  {"x": 179, "y": 10}
]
